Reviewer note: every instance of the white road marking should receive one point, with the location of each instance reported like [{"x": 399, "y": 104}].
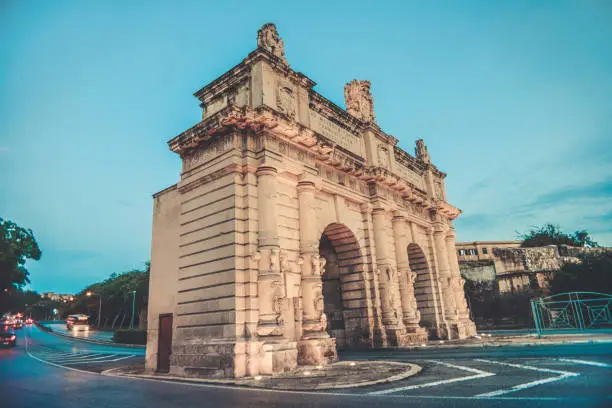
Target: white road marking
[
  {"x": 585, "y": 362},
  {"x": 102, "y": 361},
  {"x": 478, "y": 374},
  {"x": 76, "y": 357},
  {"x": 99, "y": 357},
  {"x": 519, "y": 387}
]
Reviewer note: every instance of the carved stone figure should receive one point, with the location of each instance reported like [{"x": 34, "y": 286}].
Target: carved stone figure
[
  {"x": 359, "y": 101},
  {"x": 318, "y": 264},
  {"x": 268, "y": 39},
  {"x": 421, "y": 151},
  {"x": 285, "y": 264}
]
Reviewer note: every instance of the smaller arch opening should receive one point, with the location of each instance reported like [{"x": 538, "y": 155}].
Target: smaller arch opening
[
  {"x": 343, "y": 286},
  {"x": 423, "y": 285}
]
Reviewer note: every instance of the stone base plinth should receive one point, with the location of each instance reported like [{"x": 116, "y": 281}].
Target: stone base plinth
[
  {"x": 278, "y": 357},
  {"x": 214, "y": 360},
  {"x": 396, "y": 337},
  {"x": 460, "y": 329},
  {"x": 414, "y": 335},
  {"x": 317, "y": 351}
]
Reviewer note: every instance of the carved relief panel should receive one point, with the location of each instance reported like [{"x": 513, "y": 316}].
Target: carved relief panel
[{"x": 286, "y": 101}]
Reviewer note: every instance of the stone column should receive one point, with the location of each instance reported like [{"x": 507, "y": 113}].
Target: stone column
[
  {"x": 411, "y": 315},
  {"x": 315, "y": 346},
  {"x": 388, "y": 281},
  {"x": 269, "y": 282},
  {"x": 457, "y": 280},
  {"x": 444, "y": 274},
  {"x": 465, "y": 326}
]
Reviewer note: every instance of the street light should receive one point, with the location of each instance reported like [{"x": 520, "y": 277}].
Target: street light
[
  {"x": 99, "y": 308},
  {"x": 133, "y": 308}
]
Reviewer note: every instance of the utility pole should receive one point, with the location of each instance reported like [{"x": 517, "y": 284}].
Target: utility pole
[
  {"x": 133, "y": 308},
  {"x": 100, "y": 312}
]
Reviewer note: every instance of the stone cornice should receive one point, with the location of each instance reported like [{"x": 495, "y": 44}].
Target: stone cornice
[
  {"x": 409, "y": 161},
  {"x": 447, "y": 210},
  {"x": 239, "y": 70},
  {"x": 266, "y": 120}
]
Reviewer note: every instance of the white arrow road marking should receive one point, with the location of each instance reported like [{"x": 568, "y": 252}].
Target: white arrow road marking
[
  {"x": 585, "y": 362},
  {"x": 564, "y": 374},
  {"x": 477, "y": 374}
]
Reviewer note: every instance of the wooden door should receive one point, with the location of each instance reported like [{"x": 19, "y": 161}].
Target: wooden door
[{"x": 164, "y": 345}]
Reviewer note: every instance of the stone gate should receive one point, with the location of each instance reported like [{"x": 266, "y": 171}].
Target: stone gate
[{"x": 297, "y": 228}]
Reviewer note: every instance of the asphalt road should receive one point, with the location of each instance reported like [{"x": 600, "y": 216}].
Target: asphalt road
[
  {"x": 544, "y": 376},
  {"x": 91, "y": 334}
]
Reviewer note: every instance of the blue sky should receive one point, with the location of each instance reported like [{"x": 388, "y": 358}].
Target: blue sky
[{"x": 513, "y": 99}]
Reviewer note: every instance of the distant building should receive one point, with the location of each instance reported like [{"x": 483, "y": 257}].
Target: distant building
[
  {"x": 515, "y": 268},
  {"x": 57, "y": 297}
]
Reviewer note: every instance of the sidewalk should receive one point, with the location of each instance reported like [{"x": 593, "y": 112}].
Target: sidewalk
[
  {"x": 515, "y": 339},
  {"x": 343, "y": 374}
]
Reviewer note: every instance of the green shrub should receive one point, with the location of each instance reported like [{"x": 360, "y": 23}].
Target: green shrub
[{"x": 130, "y": 336}]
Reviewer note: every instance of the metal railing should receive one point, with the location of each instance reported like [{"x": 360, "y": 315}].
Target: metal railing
[{"x": 572, "y": 311}]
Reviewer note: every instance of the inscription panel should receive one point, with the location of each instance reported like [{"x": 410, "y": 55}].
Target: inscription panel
[
  {"x": 409, "y": 176},
  {"x": 335, "y": 133}
]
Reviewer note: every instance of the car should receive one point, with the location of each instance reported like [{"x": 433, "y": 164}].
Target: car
[
  {"x": 29, "y": 320},
  {"x": 17, "y": 324},
  {"x": 8, "y": 338},
  {"x": 77, "y": 322}
]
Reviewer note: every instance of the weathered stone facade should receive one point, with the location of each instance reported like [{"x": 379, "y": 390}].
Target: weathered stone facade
[
  {"x": 297, "y": 227},
  {"x": 515, "y": 268}
]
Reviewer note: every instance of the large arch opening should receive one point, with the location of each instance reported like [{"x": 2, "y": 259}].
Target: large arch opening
[
  {"x": 343, "y": 287},
  {"x": 423, "y": 286}
]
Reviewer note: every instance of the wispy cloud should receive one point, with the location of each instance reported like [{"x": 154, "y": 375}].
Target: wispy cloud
[
  {"x": 567, "y": 194},
  {"x": 4, "y": 149}
]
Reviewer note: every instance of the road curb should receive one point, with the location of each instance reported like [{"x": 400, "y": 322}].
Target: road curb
[
  {"x": 109, "y": 343},
  {"x": 492, "y": 345},
  {"x": 250, "y": 382}
]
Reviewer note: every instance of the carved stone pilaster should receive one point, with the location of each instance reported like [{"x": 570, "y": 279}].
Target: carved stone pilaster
[
  {"x": 270, "y": 290},
  {"x": 270, "y": 287},
  {"x": 315, "y": 347}
]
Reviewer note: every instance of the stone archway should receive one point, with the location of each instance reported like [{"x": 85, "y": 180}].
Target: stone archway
[
  {"x": 423, "y": 286},
  {"x": 343, "y": 286}
]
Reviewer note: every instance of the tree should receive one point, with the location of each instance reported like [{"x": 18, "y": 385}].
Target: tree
[
  {"x": 592, "y": 274},
  {"x": 17, "y": 244},
  {"x": 15, "y": 300},
  {"x": 116, "y": 293},
  {"x": 550, "y": 234}
]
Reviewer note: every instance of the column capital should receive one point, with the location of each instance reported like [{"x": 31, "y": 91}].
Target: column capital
[
  {"x": 266, "y": 171},
  {"x": 305, "y": 186},
  {"x": 451, "y": 235},
  {"x": 398, "y": 217},
  {"x": 378, "y": 210},
  {"x": 438, "y": 228}
]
